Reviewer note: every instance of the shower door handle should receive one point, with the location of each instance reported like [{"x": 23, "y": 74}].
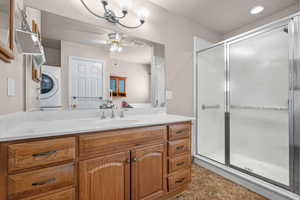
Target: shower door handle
[{"x": 204, "y": 107}]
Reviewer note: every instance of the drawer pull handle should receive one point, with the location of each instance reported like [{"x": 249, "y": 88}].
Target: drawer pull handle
[
  {"x": 50, "y": 180},
  {"x": 180, "y": 132},
  {"x": 179, "y": 164},
  {"x": 180, "y": 181},
  {"x": 48, "y": 153},
  {"x": 179, "y": 147}
]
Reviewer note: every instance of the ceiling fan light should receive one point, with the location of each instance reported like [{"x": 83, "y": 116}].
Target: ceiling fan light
[{"x": 113, "y": 47}]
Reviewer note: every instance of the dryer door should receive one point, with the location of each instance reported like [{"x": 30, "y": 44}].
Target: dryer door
[{"x": 49, "y": 86}]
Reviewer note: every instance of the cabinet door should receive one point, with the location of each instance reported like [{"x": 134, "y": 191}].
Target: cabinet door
[
  {"x": 105, "y": 178},
  {"x": 148, "y": 173}
]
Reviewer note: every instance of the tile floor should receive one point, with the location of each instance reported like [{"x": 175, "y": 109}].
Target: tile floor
[{"x": 210, "y": 186}]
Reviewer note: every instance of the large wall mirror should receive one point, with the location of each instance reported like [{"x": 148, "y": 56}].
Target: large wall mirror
[
  {"x": 6, "y": 29},
  {"x": 88, "y": 66}
]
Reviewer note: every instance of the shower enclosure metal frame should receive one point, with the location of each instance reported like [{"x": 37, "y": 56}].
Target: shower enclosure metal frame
[{"x": 293, "y": 24}]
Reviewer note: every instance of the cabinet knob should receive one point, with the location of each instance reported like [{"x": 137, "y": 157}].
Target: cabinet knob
[
  {"x": 128, "y": 161},
  {"x": 134, "y": 159}
]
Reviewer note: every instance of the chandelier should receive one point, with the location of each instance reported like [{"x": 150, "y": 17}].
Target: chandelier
[{"x": 112, "y": 16}]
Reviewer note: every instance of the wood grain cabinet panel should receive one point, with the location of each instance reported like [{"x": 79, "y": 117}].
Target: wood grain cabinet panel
[
  {"x": 115, "y": 141},
  {"x": 40, "y": 153},
  {"x": 105, "y": 178},
  {"x": 178, "y": 163},
  {"x": 39, "y": 181},
  {"x": 179, "y": 179},
  {"x": 178, "y": 147},
  {"x": 55, "y": 195},
  {"x": 179, "y": 131},
  {"x": 148, "y": 172}
]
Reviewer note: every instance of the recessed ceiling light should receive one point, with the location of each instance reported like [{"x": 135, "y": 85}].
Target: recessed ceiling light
[{"x": 256, "y": 10}]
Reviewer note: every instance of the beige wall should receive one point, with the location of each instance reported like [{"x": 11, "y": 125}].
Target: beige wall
[{"x": 14, "y": 70}]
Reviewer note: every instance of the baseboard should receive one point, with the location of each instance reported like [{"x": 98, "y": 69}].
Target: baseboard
[{"x": 256, "y": 185}]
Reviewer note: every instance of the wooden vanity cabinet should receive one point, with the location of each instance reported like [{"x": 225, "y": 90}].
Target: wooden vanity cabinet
[
  {"x": 106, "y": 177},
  {"x": 148, "y": 172},
  {"x": 149, "y": 163}
]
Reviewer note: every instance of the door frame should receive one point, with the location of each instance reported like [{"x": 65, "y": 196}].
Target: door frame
[
  {"x": 70, "y": 69},
  {"x": 294, "y": 108}
]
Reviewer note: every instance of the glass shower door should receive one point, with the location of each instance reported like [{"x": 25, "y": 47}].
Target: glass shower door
[
  {"x": 259, "y": 105},
  {"x": 211, "y": 103}
]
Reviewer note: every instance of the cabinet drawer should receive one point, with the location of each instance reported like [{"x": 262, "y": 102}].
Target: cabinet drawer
[
  {"x": 40, "y": 181},
  {"x": 179, "y": 162},
  {"x": 178, "y": 147},
  {"x": 115, "y": 141},
  {"x": 179, "y": 131},
  {"x": 40, "y": 153},
  {"x": 180, "y": 179},
  {"x": 60, "y": 195}
]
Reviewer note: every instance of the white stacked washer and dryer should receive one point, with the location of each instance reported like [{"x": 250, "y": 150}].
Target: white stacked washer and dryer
[{"x": 51, "y": 97}]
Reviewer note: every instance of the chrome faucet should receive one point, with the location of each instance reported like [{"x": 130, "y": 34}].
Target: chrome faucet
[{"x": 107, "y": 104}]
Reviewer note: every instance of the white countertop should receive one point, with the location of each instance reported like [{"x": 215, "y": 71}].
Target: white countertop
[{"x": 44, "y": 128}]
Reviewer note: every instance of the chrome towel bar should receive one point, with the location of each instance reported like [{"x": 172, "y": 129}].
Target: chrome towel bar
[
  {"x": 217, "y": 106},
  {"x": 249, "y": 107}
]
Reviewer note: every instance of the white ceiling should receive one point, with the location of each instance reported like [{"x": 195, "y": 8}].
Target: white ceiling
[{"x": 223, "y": 16}]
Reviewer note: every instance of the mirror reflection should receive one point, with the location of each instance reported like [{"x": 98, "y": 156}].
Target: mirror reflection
[
  {"x": 4, "y": 22},
  {"x": 88, "y": 67}
]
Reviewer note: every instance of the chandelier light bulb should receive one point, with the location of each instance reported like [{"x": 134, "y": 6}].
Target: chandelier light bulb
[
  {"x": 143, "y": 14},
  {"x": 125, "y": 4},
  {"x": 112, "y": 16}
]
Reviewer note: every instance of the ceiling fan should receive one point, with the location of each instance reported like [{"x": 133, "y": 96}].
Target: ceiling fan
[{"x": 117, "y": 41}]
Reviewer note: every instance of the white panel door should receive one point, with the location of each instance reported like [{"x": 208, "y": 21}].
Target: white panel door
[{"x": 86, "y": 79}]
